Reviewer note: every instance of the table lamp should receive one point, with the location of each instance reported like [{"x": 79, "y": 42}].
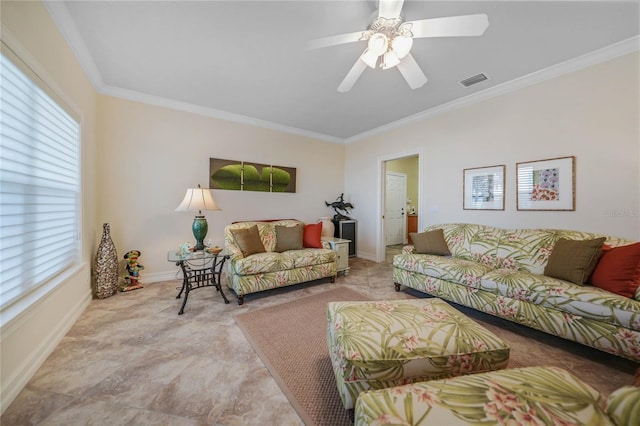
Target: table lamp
[{"x": 198, "y": 199}]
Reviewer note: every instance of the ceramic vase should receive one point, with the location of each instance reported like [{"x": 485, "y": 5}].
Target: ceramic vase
[
  {"x": 328, "y": 228},
  {"x": 106, "y": 266}
]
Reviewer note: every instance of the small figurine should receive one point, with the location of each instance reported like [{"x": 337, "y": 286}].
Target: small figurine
[
  {"x": 341, "y": 208},
  {"x": 133, "y": 270},
  {"x": 185, "y": 248}
]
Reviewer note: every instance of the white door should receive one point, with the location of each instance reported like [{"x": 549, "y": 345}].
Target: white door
[{"x": 395, "y": 204}]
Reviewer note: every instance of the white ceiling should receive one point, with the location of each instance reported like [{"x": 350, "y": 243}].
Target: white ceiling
[{"x": 245, "y": 60}]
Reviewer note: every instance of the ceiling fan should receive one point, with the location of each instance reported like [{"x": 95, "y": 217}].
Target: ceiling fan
[{"x": 389, "y": 41}]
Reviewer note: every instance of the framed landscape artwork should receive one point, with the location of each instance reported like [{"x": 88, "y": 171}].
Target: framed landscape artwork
[
  {"x": 546, "y": 184},
  {"x": 483, "y": 188}
]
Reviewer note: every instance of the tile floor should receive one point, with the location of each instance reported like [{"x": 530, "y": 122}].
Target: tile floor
[{"x": 131, "y": 360}]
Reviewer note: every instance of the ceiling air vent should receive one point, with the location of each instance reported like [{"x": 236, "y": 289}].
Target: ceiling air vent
[{"x": 473, "y": 80}]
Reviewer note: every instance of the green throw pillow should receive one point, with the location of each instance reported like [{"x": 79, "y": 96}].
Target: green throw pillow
[
  {"x": 288, "y": 238},
  {"x": 248, "y": 240},
  {"x": 431, "y": 242},
  {"x": 574, "y": 260}
]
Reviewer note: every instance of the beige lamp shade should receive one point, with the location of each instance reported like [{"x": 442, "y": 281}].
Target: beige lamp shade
[{"x": 197, "y": 199}]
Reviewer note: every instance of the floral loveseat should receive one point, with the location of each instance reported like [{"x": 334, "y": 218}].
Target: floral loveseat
[
  {"x": 500, "y": 272},
  {"x": 275, "y": 266},
  {"x": 524, "y": 396}
]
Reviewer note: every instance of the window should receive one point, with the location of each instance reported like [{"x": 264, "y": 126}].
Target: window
[{"x": 39, "y": 184}]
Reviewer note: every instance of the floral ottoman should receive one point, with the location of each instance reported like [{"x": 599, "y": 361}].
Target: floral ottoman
[
  {"x": 376, "y": 345},
  {"x": 524, "y": 396}
]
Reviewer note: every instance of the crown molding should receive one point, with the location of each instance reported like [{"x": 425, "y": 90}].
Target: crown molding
[
  {"x": 610, "y": 52},
  {"x": 210, "y": 112}
]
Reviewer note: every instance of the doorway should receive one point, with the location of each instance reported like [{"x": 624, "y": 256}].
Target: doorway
[{"x": 394, "y": 208}]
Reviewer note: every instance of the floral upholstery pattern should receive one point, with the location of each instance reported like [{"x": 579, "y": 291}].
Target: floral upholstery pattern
[
  {"x": 623, "y": 405},
  {"x": 524, "y": 396},
  {"x": 529, "y": 249},
  {"x": 374, "y": 345},
  {"x": 515, "y": 289},
  {"x": 264, "y": 271},
  {"x": 446, "y": 268}
]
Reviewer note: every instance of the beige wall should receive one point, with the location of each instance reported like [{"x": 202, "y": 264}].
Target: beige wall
[
  {"x": 591, "y": 114},
  {"x": 27, "y": 339},
  {"x": 150, "y": 155}
]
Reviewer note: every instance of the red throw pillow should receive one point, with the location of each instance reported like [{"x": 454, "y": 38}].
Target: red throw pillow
[
  {"x": 311, "y": 235},
  {"x": 618, "y": 270}
]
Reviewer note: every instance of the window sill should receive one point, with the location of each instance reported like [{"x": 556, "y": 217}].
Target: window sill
[{"x": 22, "y": 306}]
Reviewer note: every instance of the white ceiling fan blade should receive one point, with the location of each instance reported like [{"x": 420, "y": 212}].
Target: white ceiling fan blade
[
  {"x": 319, "y": 43},
  {"x": 389, "y": 8},
  {"x": 411, "y": 72},
  {"x": 352, "y": 76},
  {"x": 453, "y": 26}
]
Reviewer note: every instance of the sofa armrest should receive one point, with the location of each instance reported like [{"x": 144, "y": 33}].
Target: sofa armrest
[{"x": 408, "y": 249}]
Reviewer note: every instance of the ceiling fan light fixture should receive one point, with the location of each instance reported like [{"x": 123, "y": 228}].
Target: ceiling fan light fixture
[
  {"x": 390, "y": 60},
  {"x": 390, "y": 39},
  {"x": 402, "y": 45},
  {"x": 369, "y": 58},
  {"x": 378, "y": 43}
]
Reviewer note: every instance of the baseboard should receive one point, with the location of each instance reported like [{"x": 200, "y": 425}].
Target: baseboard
[
  {"x": 160, "y": 276},
  {"x": 367, "y": 256}
]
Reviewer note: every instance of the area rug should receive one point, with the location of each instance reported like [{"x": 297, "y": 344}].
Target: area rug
[{"x": 290, "y": 338}]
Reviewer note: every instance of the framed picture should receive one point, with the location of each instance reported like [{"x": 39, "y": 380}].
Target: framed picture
[
  {"x": 546, "y": 184},
  {"x": 244, "y": 176},
  {"x": 483, "y": 188}
]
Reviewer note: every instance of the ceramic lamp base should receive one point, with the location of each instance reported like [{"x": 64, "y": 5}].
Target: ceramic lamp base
[{"x": 199, "y": 228}]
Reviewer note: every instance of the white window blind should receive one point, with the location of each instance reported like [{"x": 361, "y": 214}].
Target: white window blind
[{"x": 39, "y": 185}]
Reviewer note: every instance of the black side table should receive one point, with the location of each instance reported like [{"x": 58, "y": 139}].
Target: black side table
[{"x": 199, "y": 269}]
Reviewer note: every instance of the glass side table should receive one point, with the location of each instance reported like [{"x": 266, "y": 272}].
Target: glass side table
[{"x": 199, "y": 269}]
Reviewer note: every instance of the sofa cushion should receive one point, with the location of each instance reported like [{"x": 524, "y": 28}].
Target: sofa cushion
[
  {"x": 288, "y": 238},
  {"x": 447, "y": 268},
  {"x": 260, "y": 263},
  {"x": 575, "y": 300},
  {"x": 312, "y": 235},
  {"x": 248, "y": 240},
  {"x": 431, "y": 242},
  {"x": 574, "y": 260},
  {"x": 471, "y": 242},
  {"x": 618, "y": 270},
  {"x": 310, "y": 257},
  {"x": 529, "y": 249}
]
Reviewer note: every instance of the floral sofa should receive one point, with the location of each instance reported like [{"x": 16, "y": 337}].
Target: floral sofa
[
  {"x": 273, "y": 268},
  {"x": 500, "y": 272},
  {"x": 524, "y": 396}
]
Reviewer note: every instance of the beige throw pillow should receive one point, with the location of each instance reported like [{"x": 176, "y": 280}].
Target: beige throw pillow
[
  {"x": 574, "y": 260},
  {"x": 288, "y": 238},
  {"x": 431, "y": 242},
  {"x": 248, "y": 240}
]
